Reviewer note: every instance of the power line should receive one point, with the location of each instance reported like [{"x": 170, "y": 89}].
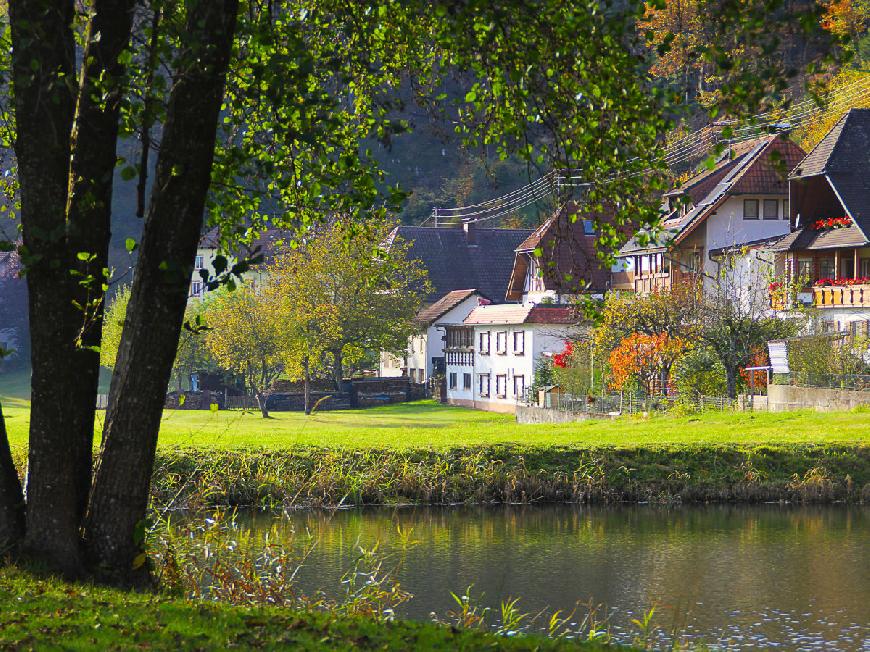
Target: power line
[{"x": 686, "y": 148}]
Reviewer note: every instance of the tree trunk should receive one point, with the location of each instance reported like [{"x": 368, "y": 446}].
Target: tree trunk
[
  {"x": 306, "y": 385},
  {"x": 731, "y": 381},
  {"x": 261, "y": 403},
  {"x": 338, "y": 368},
  {"x": 89, "y": 216},
  {"x": 44, "y": 103},
  {"x": 11, "y": 497},
  {"x": 151, "y": 330}
]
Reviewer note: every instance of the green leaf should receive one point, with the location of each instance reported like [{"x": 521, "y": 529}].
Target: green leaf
[
  {"x": 470, "y": 96},
  {"x": 130, "y": 245}
]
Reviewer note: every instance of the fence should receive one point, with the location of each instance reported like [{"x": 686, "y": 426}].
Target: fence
[{"x": 630, "y": 403}]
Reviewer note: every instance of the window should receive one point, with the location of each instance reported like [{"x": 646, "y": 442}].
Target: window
[
  {"x": 520, "y": 340},
  {"x": 196, "y": 288},
  {"x": 750, "y": 209},
  {"x": 501, "y": 386},
  {"x": 589, "y": 227},
  {"x": 864, "y": 266},
  {"x": 483, "y": 384},
  {"x": 501, "y": 342},
  {"x": 466, "y": 381},
  {"x": 785, "y": 214},
  {"x": 198, "y": 263},
  {"x": 826, "y": 267},
  {"x": 847, "y": 267},
  {"x": 805, "y": 269},
  {"x": 483, "y": 343},
  {"x": 452, "y": 381},
  {"x": 771, "y": 209},
  {"x": 519, "y": 386}
]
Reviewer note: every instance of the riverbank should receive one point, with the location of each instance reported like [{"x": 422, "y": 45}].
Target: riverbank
[
  {"x": 310, "y": 476},
  {"x": 46, "y": 614},
  {"x": 429, "y": 425}
]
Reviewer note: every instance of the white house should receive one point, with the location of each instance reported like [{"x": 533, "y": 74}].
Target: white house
[
  {"x": 742, "y": 201},
  {"x": 491, "y": 357},
  {"x": 425, "y": 354}
]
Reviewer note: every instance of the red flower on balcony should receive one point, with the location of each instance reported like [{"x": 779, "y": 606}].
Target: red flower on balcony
[
  {"x": 840, "y": 282},
  {"x": 773, "y": 287},
  {"x": 832, "y": 223}
]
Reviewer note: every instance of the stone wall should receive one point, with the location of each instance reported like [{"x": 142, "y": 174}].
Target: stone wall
[{"x": 790, "y": 397}]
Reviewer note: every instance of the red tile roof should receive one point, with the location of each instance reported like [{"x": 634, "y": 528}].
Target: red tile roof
[
  {"x": 510, "y": 313},
  {"x": 445, "y": 304}
]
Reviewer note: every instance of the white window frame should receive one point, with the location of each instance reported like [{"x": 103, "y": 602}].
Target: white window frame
[
  {"x": 519, "y": 385},
  {"x": 501, "y": 386},
  {"x": 483, "y": 338},
  {"x": 196, "y": 288},
  {"x": 483, "y": 388},
  {"x": 521, "y": 349},
  {"x": 198, "y": 262},
  {"x": 467, "y": 381},
  {"x": 501, "y": 342},
  {"x": 452, "y": 380}
]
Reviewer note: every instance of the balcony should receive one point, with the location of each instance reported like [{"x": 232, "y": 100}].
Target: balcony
[{"x": 845, "y": 296}]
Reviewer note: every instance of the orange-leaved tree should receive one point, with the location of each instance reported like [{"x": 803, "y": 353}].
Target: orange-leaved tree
[{"x": 647, "y": 358}]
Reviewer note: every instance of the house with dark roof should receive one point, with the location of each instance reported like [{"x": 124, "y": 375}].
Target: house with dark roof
[
  {"x": 741, "y": 202},
  {"x": 462, "y": 257},
  {"x": 425, "y": 357},
  {"x": 829, "y": 247},
  {"x": 558, "y": 261},
  {"x": 456, "y": 258},
  {"x": 491, "y": 356}
]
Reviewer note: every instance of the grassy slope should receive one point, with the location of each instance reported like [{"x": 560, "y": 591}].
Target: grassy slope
[
  {"x": 428, "y": 425},
  {"x": 47, "y": 615}
]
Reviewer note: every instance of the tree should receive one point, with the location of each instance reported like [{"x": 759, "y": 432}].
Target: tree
[
  {"x": 309, "y": 82},
  {"x": 646, "y": 358},
  {"x": 190, "y": 356},
  {"x": 245, "y": 337},
  {"x": 346, "y": 290},
  {"x": 734, "y": 318}
]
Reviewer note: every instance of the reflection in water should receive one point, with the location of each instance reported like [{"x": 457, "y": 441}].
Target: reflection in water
[{"x": 738, "y": 576}]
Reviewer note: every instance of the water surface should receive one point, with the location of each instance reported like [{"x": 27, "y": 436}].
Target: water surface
[{"x": 731, "y": 576}]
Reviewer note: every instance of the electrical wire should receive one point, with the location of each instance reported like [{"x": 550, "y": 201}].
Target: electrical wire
[{"x": 685, "y": 149}]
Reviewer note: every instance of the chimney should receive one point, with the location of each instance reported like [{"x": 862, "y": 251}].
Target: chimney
[{"x": 470, "y": 233}]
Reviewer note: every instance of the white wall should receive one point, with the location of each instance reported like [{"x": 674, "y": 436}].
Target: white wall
[
  {"x": 727, "y": 227},
  {"x": 422, "y": 347},
  {"x": 538, "y": 339}
]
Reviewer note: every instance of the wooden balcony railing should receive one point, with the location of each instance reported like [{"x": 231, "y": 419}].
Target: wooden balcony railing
[{"x": 845, "y": 296}]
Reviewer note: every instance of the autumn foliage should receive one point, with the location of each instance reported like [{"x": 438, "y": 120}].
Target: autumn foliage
[
  {"x": 645, "y": 358},
  {"x": 759, "y": 359}
]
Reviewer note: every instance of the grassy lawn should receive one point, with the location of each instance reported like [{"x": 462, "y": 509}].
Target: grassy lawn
[
  {"x": 428, "y": 425},
  {"x": 45, "y": 614}
]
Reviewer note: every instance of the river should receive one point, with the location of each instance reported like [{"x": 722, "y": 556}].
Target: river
[{"x": 735, "y": 577}]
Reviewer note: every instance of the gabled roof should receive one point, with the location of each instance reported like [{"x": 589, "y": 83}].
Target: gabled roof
[
  {"x": 481, "y": 258},
  {"x": 510, "y": 313},
  {"x": 430, "y": 314},
  {"x": 756, "y": 169},
  {"x": 567, "y": 254},
  {"x": 843, "y": 158}
]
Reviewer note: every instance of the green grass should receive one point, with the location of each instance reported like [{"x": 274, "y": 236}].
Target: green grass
[
  {"x": 46, "y": 614},
  {"x": 429, "y": 425}
]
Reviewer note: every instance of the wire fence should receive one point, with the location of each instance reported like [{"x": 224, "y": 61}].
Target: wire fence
[{"x": 630, "y": 403}]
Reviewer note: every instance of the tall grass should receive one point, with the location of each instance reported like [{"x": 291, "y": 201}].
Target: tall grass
[{"x": 304, "y": 477}]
